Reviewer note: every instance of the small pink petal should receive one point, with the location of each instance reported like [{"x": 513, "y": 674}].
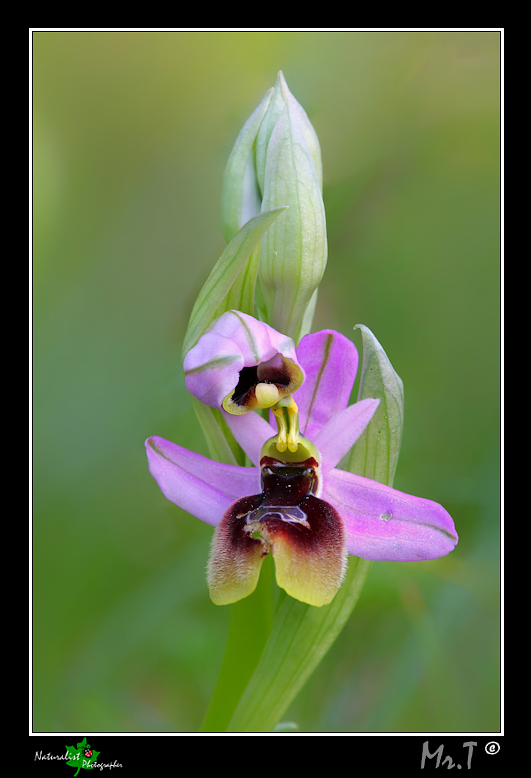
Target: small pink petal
[
  {"x": 338, "y": 436},
  {"x": 330, "y": 362}
]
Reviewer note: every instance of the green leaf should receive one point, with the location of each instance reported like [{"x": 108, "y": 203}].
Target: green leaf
[
  {"x": 375, "y": 453},
  {"x": 224, "y": 274},
  {"x": 241, "y": 296},
  {"x": 307, "y": 319}
]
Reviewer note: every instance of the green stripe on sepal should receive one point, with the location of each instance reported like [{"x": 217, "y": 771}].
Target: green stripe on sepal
[
  {"x": 218, "y": 362},
  {"x": 375, "y": 453},
  {"x": 223, "y": 275}
]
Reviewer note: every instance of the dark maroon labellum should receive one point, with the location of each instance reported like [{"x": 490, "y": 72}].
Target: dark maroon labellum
[
  {"x": 285, "y": 489},
  {"x": 305, "y": 534},
  {"x": 288, "y": 503}
]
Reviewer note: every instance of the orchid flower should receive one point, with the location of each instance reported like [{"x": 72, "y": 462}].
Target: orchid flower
[
  {"x": 242, "y": 364},
  {"x": 304, "y": 509}
]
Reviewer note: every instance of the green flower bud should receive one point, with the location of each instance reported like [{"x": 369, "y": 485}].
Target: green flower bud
[
  {"x": 294, "y": 252},
  {"x": 276, "y": 162}
]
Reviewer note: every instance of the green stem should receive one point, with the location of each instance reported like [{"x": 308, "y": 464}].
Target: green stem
[
  {"x": 250, "y": 623},
  {"x": 286, "y": 663}
]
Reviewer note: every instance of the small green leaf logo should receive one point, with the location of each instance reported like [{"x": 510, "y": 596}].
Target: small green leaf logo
[{"x": 82, "y": 756}]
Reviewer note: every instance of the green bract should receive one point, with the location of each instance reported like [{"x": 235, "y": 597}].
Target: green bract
[
  {"x": 375, "y": 453},
  {"x": 218, "y": 292}
]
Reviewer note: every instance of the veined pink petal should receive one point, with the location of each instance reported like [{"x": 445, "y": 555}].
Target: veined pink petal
[
  {"x": 251, "y": 432},
  {"x": 337, "y": 437},
  {"x": 196, "y": 484},
  {"x": 330, "y": 362},
  {"x": 212, "y": 368},
  {"x": 383, "y": 523},
  {"x": 257, "y": 341}
]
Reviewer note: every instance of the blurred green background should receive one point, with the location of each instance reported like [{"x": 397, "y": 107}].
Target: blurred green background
[{"x": 132, "y": 131}]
